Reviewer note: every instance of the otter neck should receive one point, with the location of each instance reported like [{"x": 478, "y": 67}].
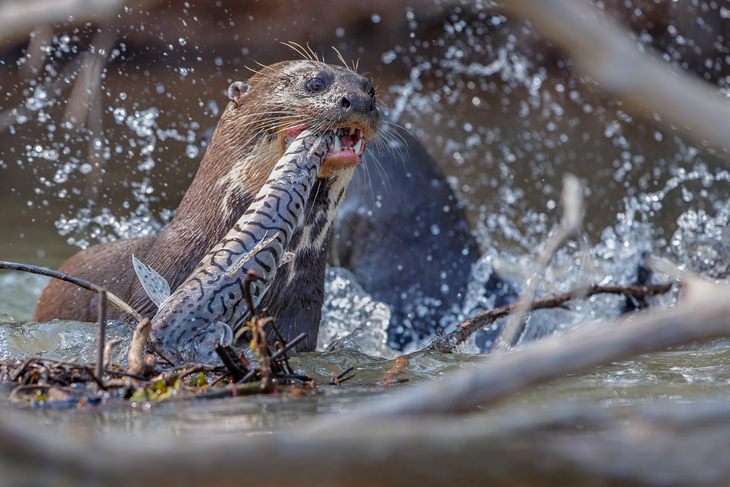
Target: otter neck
[
  {"x": 324, "y": 201},
  {"x": 296, "y": 296},
  {"x": 228, "y": 178}
]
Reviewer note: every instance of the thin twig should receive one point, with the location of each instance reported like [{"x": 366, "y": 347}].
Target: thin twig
[
  {"x": 293, "y": 343},
  {"x": 108, "y": 348},
  {"x": 44, "y": 271},
  {"x": 449, "y": 342},
  {"x": 135, "y": 355},
  {"x": 101, "y": 335},
  {"x": 340, "y": 378},
  {"x": 572, "y": 202}
]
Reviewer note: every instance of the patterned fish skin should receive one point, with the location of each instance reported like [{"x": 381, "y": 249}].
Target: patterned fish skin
[{"x": 210, "y": 302}]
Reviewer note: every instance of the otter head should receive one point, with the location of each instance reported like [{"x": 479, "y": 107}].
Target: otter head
[{"x": 281, "y": 100}]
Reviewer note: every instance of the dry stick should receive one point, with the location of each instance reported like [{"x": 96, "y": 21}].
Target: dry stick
[
  {"x": 44, "y": 271},
  {"x": 608, "y": 54},
  {"x": 108, "y": 348},
  {"x": 449, "y": 342},
  {"x": 572, "y": 202},
  {"x": 292, "y": 343},
  {"x": 113, "y": 298},
  {"x": 101, "y": 313},
  {"x": 702, "y": 314},
  {"x": 135, "y": 355},
  {"x": 40, "y": 39}
]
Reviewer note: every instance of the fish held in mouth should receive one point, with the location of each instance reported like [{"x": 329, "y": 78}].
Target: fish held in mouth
[{"x": 346, "y": 151}]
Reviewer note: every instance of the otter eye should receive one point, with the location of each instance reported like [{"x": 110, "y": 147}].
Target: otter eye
[
  {"x": 315, "y": 85},
  {"x": 371, "y": 91}
]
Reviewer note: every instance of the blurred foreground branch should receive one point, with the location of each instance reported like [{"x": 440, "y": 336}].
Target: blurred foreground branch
[
  {"x": 19, "y": 17},
  {"x": 608, "y": 54}
]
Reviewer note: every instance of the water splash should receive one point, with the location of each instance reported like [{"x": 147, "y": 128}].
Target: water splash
[{"x": 351, "y": 318}]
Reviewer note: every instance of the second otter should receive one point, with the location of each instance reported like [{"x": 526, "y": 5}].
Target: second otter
[{"x": 279, "y": 102}]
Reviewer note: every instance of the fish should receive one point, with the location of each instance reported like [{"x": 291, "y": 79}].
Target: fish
[{"x": 211, "y": 303}]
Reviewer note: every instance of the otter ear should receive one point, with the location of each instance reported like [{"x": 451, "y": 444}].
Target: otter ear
[{"x": 237, "y": 91}]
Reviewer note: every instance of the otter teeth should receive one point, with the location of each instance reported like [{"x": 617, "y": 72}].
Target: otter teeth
[
  {"x": 358, "y": 147},
  {"x": 338, "y": 146}
]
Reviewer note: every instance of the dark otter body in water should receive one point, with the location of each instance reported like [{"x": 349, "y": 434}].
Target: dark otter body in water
[
  {"x": 283, "y": 100},
  {"x": 406, "y": 238}
]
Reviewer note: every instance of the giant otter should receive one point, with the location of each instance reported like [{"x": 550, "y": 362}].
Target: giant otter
[
  {"x": 390, "y": 246},
  {"x": 278, "y": 102}
]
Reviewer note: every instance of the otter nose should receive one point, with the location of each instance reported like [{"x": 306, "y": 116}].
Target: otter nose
[{"x": 357, "y": 103}]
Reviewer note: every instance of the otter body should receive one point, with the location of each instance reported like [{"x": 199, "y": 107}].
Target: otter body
[
  {"x": 279, "y": 102},
  {"x": 414, "y": 250}
]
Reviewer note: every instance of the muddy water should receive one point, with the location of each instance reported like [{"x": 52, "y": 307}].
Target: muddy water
[{"x": 503, "y": 120}]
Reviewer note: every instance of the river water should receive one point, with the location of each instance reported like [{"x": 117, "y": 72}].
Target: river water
[{"x": 505, "y": 120}]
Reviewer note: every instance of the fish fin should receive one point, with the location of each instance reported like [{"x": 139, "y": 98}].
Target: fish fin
[{"x": 156, "y": 287}]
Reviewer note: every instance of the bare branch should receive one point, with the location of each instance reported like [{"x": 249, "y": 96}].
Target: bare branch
[
  {"x": 608, "y": 54},
  {"x": 135, "y": 355},
  {"x": 572, "y": 202},
  {"x": 35, "y": 269},
  {"x": 449, "y": 342}
]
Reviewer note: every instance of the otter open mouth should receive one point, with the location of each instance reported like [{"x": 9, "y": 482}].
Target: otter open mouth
[{"x": 349, "y": 145}]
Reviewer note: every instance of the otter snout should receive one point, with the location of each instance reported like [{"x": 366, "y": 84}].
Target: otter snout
[{"x": 357, "y": 103}]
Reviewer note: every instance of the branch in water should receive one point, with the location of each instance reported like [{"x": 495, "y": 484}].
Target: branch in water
[
  {"x": 570, "y": 224},
  {"x": 450, "y": 342},
  {"x": 44, "y": 271},
  {"x": 644, "y": 82}
]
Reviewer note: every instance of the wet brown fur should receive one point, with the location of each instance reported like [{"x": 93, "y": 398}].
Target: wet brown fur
[{"x": 245, "y": 146}]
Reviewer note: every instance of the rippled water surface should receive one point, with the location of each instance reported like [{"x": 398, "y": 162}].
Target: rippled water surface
[{"x": 504, "y": 120}]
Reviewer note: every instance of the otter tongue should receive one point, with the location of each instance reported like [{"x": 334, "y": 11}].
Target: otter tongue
[{"x": 347, "y": 142}]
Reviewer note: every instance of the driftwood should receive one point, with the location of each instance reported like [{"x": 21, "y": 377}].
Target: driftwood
[
  {"x": 656, "y": 445},
  {"x": 703, "y": 314},
  {"x": 646, "y": 84},
  {"x": 451, "y": 342},
  {"x": 575, "y": 445}
]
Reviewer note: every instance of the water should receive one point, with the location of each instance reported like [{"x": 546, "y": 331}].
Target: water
[{"x": 503, "y": 114}]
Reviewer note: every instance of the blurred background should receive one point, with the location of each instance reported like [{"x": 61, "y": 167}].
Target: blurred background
[{"x": 106, "y": 104}]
